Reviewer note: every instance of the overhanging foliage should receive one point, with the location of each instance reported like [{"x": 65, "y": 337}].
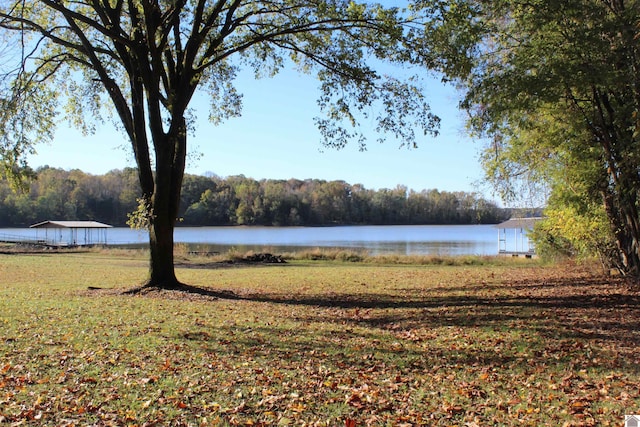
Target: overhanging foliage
[
  {"x": 555, "y": 89},
  {"x": 145, "y": 59}
]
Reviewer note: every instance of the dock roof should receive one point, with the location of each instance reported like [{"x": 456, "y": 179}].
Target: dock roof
[
  {"x": 70, "y": 224},
  {"x": 519, "y": 223}
]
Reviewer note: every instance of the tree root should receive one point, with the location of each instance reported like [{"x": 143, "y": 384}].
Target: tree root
[{"x": 149, "y": 288}]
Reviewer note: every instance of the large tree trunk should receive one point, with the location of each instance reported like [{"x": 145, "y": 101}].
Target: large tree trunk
[
  {"x": 630, "y": 224},
  {"x": 165, "y": 202},
  {"x": 623, "y": 218},
  {"x": 161, "y": 269}
]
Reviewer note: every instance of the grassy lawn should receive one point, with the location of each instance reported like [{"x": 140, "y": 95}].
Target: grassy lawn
[{"x": 315, "y": 343}]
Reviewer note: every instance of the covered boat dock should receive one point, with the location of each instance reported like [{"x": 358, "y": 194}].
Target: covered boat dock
[
  {"x": 71, "y": 233},
  {"x": 516, "y": 243}
]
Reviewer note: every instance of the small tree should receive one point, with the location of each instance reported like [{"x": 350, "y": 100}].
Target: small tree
[{"x": 145, "y": 59}]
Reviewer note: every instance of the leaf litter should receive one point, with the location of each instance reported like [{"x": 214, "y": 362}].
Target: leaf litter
[{"x": 413, "y": 346}]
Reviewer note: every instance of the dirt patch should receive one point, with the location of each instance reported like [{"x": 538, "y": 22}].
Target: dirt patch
[{"x": 184, "y": 293}]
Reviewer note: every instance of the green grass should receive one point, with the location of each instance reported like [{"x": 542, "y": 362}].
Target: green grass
[{"x": 323, "y": 343}]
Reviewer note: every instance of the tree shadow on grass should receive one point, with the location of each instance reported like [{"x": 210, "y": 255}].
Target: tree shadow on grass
[
  {"x": 578, "y": 309},
  {"x": 181, "y": 292},
  {"x": 586, "y": 308}
]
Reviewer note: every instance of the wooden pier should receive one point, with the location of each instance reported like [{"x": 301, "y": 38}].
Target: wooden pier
[{"x": 26, "y": 241}]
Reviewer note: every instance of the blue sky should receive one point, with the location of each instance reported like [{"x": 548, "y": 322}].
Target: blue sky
[{"x": 276, "y": 138}]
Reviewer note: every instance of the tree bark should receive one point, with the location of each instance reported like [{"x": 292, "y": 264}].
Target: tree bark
[
  {"x": 165, "y": 202},
  {"x": 624, "y": 227},
  {"x": 630, "y": 223},
  {"x": 161, "y": 269}
]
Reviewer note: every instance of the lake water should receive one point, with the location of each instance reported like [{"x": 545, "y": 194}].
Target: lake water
[{"x": 376, "y": 240}]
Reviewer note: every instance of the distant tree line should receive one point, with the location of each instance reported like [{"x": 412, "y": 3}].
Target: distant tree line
[{"x": 238, "y": 200}]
